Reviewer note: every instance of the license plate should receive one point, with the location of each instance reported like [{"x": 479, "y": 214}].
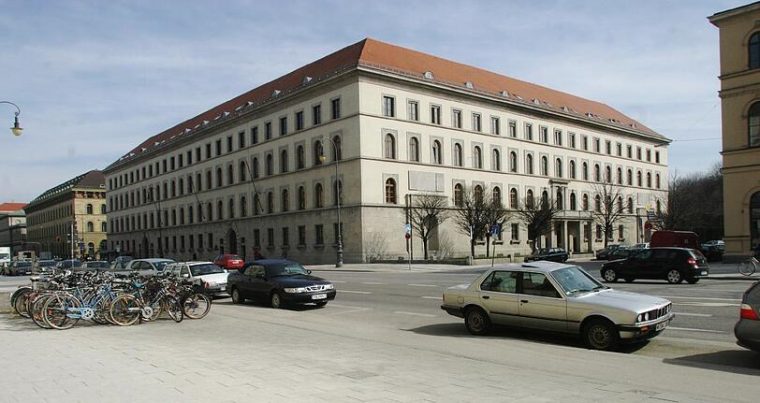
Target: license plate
[
  {"x": 704, "y": 272},
  {"x": 223, "y": 288},
  {"x": 319, "y": 296},
  {"x": 661, "y": 326}
]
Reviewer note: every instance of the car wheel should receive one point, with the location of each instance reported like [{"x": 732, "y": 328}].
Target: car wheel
[
  {"x": 236, "y": 297},
  {"x": 275, "y": 300},
  {"x": 609, "y": 275},
  {"x": 674, "y": 276},
  {"x": 600, "y": 334},
  {"x": 629, "y": 279},
  {"x": 692, "y": 280},
  {"x": 476, "y": 321}
]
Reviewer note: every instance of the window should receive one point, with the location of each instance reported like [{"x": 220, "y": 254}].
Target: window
[
  {"x": 571, "y": 139},
  {"x": 300, "y": 157},
  {"x": 476, "y": 123},
  {"x": 230, "y": 209},
  {"x": 629, "y": 178},
  {"x": 528, "y": 131},
  {"x": 458, "y": 195},
  {"x": 437, "y": 156},
  {"x": 597, "y": 146},
  {"x": 638, "y": 178},
  {"x": 608, "y": 174},
  {"x": 390, "y": 146},
  {"x": 301, "y": 235},
  {"x": 318, "y": 152},
  {"x": 573, "y": 203},
  {"x": 584, "y": 143},
  {"x": 414, "y": 149},
  {"x": 584, "y": 202},
  {"x": 572, "y": 169},
  {"x": 529, "y": 199},
  {"x": 255, "y": 135},
  {"x": 90, "y": 226},
  {"x": 316, "y": 114},
  {"x": 629, "y": 151},
  {"x": 638, "y": 153},
  {"x": 435, "y": 114},
  {"x": 338, "y": 193},
  {"x": 255, "y": 167},
  {"x": 649, "y": 179},
  {"x": 319, "y": 196},
  {"x": 558, "y": 137},
  {"x": 543, "y": 134},
  {"x": 414, "y": 110},
  {"x": 513, "y": 198},
  {"x": 390, "y": 191},
  {"x": 335, "y": 108},
  {"x": 219, "y": 177},
  {"x": 657, "y": 157},
  {"x": 283, "y": 125},
  {"x": 219, "y": 210},
  {"x": 230, "y": 175},
  {"x": 89, "y": 209},
  {"x": 319, "y": 238},
  {"x": 599, "y": 232},
  {"x": 597, "y": 173},
  {"x": 544, "y": 166},
  {"x": 243, "y": 208},
  {"x": 269, "y": 164},
  {"x": 458, "y": 157},
  {"x": 241, "y": 142},
  {"x": 608, "y": 147},
  {"x": 559, "y": 201},
  {"x": 267, "y": 130},
  {"x": 598, "y": 203},
  {"x": 630, "y": 205},
  {"x": 389, "y": 106},
  {"x": 299, "y": 120},
  {"x": 477, "y": 158},
  {"x": 285, "y": 200},
  {"x": 103, "y": 227},
  {"x": 558, "y": 168},
  {"x": 496, "y": 160},
  {"x": 512, "y": 161},
  {"x": 512, "y": 128},
  {"x": 337, "y": 152},
  {"x": 456, "y": 118},
  {"x": 270, "y": 202},
  {"x": 657, "y": 180},
  {"x": 495, "y": 125},
  {"x": 621, "y": 233},
  {"x": 270, "y": 237},
  {"x": 754, "y": 51},
  {"x": 529, "y": 164},
  {"x": 754, "y": 121},
  {"x": 284, "y": 161},
  {"x": 515, "y": 232}
]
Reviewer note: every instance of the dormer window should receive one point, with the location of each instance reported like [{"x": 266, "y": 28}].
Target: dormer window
[
  {"x": 469, "y": 85},
  {"x": 428, "y": 75}
]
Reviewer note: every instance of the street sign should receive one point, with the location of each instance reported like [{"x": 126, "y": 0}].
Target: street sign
[{"x": 495, "y": 229}]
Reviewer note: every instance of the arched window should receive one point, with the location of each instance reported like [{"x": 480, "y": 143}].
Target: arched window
[
  {"x": 544, "y": 166},
  {"x": 269, "y": 165},
  {"x": 584, "y": 171},
  {"x": 230, "y": 175},
  {"x": 209, "y": 215},
  {"x": 629, "y": 177},
  {"x": 584, "y": 202},
  {"x": 437, "y": 155},
  {"x": 319, "y": 196},
  {"x": 301, "y": 198},
  {"x": 90, "y": 226},
  {"x": 754, "y": 124},
  {"x": 598, "y": 203},
  {"x": 230, "y": 209},
  {"x": 256, "y": 204},
  {"x": 173, "y": 188},
  {"x": 103, "y": 227},
  {"x": 458, "y": 195},
  {"x": 597, "y": 173},
  {"x": 390, "y": 146},
  {"x": 638, "y": 178},
  {"x": 103, "y": 209},
  {"x": 218, "y": 177},
  {"x": 649, "y": 179},
  {"x": 496, "y": 160},
  {"x": 608, "y": 174},
  {"x": 513, "y": 198},
  {"x": 477, "y": 158},
  {"x": 458, "y": 157},
  {"x": 219, "y": 211},
  {"x": 243, "y": 207},
  {"x": 544, "y": 199},
  {"x": 255, "y": 167},
  {"x": 621, "y": 232},
  {"x": 754, "y": 51},
  {"x": 529, "y": 164},
  {"x": 659, "y": 207},
  {"x": 337, "y": 193},
  {"x": 318, "y": 152},
  {"x": 630, "y": 205},
  {"x": 242, "y": 172},
  {"x": 300, "y": 157},
  {"x": 558, "y": 168},
  {"x": 390, "y": 191},
  {"x": 620, "y": 176},
  {"x": 559, "y": 201},
  {"x": 270, "y": 202},
  {"x": 89, "y": 209},
  {"x": 529, "y": 199},
  {"x": 414, "y": 149},
  {"x": 657, "y": 180},
  {"x": 477, "y": 193},
  {"x": 496, "y": 196},
  {"x": 573, "y": 203},
  {"x": 285, "y": 200},
  {"x": 337, "y": 153},
  {"x": 512, "y": 161},
  {"x": 620, "y": 204},
  {"x": 284, "y": 161},
  {"x": 572, "y": 169}
]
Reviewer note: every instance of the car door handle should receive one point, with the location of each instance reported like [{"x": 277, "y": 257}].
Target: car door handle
[
  {"x": 524, "y": 301},
  {"x": 486, "y": 297}
]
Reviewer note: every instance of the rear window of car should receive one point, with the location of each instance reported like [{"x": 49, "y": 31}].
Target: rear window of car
[
  {"x": 696, "y": 254},
  {"x": 201, "y": 269}
]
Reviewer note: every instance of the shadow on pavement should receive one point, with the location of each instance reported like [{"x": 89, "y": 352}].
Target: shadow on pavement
[{"x": 743, "y": 362}]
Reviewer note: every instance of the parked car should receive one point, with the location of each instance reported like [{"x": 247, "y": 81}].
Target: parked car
[
  {"x": 44, "y": 266},
  {"x": 279, "y": 282},
  {"x": 120, "y": 263},
  {"x": 550, "y": 254},
  {"x": 604, "y": 253},
  {"x": 147, "y": 266},
  {"x": 643, "y": 245},
  {"x": 210, "y": 276},
  {"x": 556, "y": 297},
  {"x": 712, "y": 252},
  {"x": 747, "y": 329},
  {"x": 672, "y": 264},
  {"x": 229, "y": 261},
  {"x": 677, "y": 239},
  {"x": 95, "y": 265},
  {"x": 19, "y": 268},
  {"x": 69, "y": 264},
  {"x": 623, "y": 252}
]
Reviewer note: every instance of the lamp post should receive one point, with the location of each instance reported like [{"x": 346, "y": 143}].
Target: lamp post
[
  {"x": 338, "y": 189},
  {"x": 16, "y": 129}
]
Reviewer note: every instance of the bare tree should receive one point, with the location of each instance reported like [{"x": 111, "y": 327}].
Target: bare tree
[
  {"x": 694, "y": 203},
  {"x": 426, "y": 213},
  {"x": 537, "y": 217},
  {"x": 470, "y": 214},
  {"x": 608, "y": 207}
]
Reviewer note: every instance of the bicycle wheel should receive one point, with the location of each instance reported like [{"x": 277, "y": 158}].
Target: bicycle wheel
[
  {"x": 746, "y": 268},
  {"x": 172, "y": 307},
  {"x": 102, "y": 311},
  {"x": 18, "y": 301},
  {"x": 62, "y": 312},
  {"x": 125, "y": 310},
  {"x": 34, "y": 307},
  {"x": 196, "y": 306}
]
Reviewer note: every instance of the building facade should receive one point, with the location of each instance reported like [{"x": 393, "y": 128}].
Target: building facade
[
  {"x": 74, "y": 209},
  {"x": 13, "y": 227},
  {"x": 740, "y": 104},
  {"x": 383, "y": 124}
]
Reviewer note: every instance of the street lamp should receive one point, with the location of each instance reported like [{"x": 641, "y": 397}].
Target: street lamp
[
  {"x": 338, "y": 189},
  {"x": 16, "y": 129}
]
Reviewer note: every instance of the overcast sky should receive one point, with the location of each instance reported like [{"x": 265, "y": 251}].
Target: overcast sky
[{"x": 96, "y": 78}]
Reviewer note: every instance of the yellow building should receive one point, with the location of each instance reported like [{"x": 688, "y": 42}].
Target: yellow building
[
  {"x": 740, "y": 102},
  {"x": 77, "y": 205}
]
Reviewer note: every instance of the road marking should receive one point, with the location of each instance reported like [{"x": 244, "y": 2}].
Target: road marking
[
  {"x": 428, "y": 297},
  {"x": 686, "y": 329},
  {"x": 423, "y": 285},
  {"x": 355, "y": 292},
  {"x": 372, "y": 283},
  {"x": 701, "y": 315},
  {"x": 426, "y": 315},
  {"x": 704, "y": 298}
]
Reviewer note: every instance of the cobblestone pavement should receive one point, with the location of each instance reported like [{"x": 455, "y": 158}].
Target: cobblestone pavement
[{"x": 251, "y": 353}]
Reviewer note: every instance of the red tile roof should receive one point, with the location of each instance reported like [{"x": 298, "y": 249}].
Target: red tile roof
[
  {"x": 373, "y": 54},
  {"x": 11, "y": 207}
]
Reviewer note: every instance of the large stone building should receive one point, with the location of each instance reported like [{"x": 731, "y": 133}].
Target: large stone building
[
  {"x": 260, "y": 170},
  {"x": 13, "y": 227},
  {"x": 740, "y": 103},
  {"x": 76, "y": 206}
]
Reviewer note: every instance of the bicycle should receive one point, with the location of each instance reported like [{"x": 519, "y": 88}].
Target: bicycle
[{"x": 749, "y": 266}]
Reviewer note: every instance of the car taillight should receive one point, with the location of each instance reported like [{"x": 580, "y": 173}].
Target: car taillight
[
  {"x": 691, "y": 261},
  {"x": 748, "y": 313}
]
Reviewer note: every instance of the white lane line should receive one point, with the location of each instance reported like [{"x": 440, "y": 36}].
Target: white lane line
[
  {"x": 425, "y": 315},
  {"x": 423, "y": 285},
  {"x": 686, "y": 329},
  {"x": 355, "y": 292},
  {"x": 704, "y": 298},
  {"x": 428, "y": 297},
  {"x": 701, "y": 315},
  {"x": 372, "y": 283}
]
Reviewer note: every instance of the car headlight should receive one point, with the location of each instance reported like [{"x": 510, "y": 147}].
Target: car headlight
[
  {"x": 297, "y": 290},
  {"x": 329, "y": 286}
]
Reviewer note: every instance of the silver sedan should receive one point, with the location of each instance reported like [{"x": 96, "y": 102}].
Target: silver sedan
[{"x": 560, "y": 298}]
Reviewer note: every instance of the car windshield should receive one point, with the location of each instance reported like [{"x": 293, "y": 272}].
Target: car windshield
[
  {"x": 46, "y": 263},
  {"x": 23, "y": 264},
  {"x": 574, "y": 279},
  {"x": 97, "y": 264},
  {"x": 160, "y": 265},
  {"x": 286, "y": 269},
  {"x": 208, "y": 268}
]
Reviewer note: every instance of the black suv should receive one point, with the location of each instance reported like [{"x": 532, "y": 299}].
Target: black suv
[
  {"x": 672, "y": 264},
  {"x": 550, "y": 254}
]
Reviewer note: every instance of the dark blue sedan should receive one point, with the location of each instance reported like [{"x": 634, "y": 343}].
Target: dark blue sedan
[{"x": 278, "y": 282}]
